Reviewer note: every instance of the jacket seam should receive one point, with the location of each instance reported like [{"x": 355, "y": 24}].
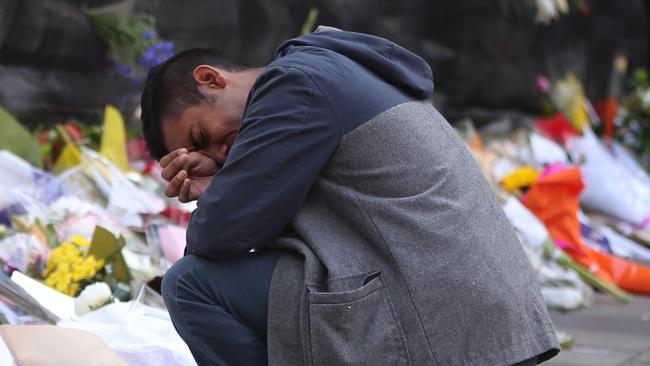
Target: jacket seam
[
  {"x": 273, "y": 177},
  {"x": 392, "y": 51},
  {"x": 325, "y": 96},
  {"x": 399, "y": 268}
]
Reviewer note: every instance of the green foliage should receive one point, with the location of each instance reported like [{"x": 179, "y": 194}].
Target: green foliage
[
  {"x": 123, "y": 34},
  {"x": 18, "y": 139},
  {"x": 310, "y": 22},
  {"x": 640, "y": 78}
]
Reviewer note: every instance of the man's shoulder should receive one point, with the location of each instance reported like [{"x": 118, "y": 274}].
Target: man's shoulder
[{"x": 313, "y": 62}]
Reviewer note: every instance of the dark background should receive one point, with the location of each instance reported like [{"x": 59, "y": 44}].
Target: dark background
[{"x": 485, "y": 54}]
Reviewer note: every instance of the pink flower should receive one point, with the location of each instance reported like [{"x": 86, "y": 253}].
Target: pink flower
[{"x": 543, "y": 84}]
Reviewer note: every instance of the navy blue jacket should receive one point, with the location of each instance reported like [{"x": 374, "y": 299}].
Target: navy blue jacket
[{"x": 318, "y": 88}]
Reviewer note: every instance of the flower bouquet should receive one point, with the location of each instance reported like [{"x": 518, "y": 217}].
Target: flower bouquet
[{"x": 132, "y": 41}]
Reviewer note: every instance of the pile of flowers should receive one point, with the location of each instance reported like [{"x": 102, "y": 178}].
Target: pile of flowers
[{"x": 580, "y": 204}]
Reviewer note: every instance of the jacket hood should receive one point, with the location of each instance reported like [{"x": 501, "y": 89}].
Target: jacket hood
[{"x": 389, "y": 61}]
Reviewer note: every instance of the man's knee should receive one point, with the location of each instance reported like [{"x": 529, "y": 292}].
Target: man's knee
[{"x": 173, "y": 277}]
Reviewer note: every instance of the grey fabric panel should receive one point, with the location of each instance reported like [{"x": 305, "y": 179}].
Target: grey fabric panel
[
  {"x": 402, "y": 196},
  {"x": 283, "y": 333},
  {"x": 357, "y": 327}
]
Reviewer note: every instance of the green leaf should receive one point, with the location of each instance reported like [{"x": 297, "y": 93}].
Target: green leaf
[
  {"x": 310, "y": 22},
  {"x": 17, "y": 139},
  {"x": 104, "y": 244},
  {"x": 120, "y": 269},
  {"x": 19, "y": 223},
  {"x": 50, "y": 234}
]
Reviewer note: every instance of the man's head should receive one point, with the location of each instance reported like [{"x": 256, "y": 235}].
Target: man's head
[{"x": 195, "y": 100}]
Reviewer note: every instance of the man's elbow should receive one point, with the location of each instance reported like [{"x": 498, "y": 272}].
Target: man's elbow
[{"x": 210, "y": 247}]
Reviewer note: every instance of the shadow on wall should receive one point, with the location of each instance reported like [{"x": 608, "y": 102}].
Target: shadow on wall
[{"x": 485, "y": 54}]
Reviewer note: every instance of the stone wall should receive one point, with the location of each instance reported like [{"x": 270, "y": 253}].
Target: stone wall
[{"x": 485, "y": 54}]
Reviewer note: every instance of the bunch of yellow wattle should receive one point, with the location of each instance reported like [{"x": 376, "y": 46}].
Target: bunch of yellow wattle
[
  {"x": 520, "y": 178},
  {"x": 68, "y": 266}
]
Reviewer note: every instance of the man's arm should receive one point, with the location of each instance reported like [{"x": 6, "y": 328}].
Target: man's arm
[{"x": 288, "y": 135}]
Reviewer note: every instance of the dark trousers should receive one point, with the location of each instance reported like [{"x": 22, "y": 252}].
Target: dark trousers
[{"x": 219, "y": 308}]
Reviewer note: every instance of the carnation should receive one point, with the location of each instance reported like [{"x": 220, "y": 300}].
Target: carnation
[{"x": 92, "y": 297}]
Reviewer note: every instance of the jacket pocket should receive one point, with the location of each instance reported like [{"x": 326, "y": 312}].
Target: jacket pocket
[{"x": 357, "y": 327}]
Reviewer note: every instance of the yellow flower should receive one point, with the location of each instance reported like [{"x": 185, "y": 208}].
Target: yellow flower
[
  {"x": 87, "y": 268},
  {"x": 62, "y": 282},
  {"x": 64, "y": 253},
  {"x": 68, "y": 266},
  {"x": 520, "y": 178},
  {"x": 79, "y": 241}
]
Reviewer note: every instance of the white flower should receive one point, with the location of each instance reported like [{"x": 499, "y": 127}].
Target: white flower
[
  {"x": 562, "y": 6},
  {"x": 645, "y": 99},
  {"x": 92, "y": 297},
  {"x": 547, "y": 10}
]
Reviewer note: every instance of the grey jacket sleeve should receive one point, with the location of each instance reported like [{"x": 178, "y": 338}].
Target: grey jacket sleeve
[{"x": 286, "y": 138}]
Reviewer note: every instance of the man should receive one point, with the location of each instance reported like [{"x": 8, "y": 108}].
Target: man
[{"x": 376, "y": 239}]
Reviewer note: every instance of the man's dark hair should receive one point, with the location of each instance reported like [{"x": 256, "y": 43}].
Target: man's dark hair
[{"x": 171, "y": 86}]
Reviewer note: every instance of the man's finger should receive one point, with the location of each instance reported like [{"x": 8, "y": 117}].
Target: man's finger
[
  {"x": 195, "y": 192},
  {"x": 165, "y": 160},
  {"x": 193, "y": 161},
  {"x": 184, "y": 194},
  {"x": 172, "y": 169},
  {"x": 200, "y": 165},
  {"x": 174, "y": 187}
]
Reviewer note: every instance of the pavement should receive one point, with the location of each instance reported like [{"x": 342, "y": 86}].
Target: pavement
[{"x": 607, "y": 333}]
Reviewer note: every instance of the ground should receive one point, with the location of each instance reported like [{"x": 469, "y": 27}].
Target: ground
[{"x": 606, "y": 333}]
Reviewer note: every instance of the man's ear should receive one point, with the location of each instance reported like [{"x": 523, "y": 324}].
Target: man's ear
[{"x": 209, "y": 76}]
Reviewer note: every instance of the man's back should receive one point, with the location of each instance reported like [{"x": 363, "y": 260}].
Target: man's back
[
  {"x": 401, "y": 200},
  {"x": 408, "y": 259}
]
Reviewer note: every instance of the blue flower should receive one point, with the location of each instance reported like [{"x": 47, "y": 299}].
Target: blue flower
[
  {"x": 148, "y": 57},
  {"x": 158, "y": 60},
  {"x": 148, "y": 35},
  {"x": 163, "y": 46},
  {"x": 157, "y": 53}
]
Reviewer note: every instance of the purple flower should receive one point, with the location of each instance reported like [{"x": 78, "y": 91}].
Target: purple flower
[
  {"x": 157, "y": 53},
  {"x": 148, "y": 57},
  {"x": 148, "y": 35},
  {"x": 158, "y": 60},
  {"x": 163, "y": 46},
  {"x": 8, "y": 269}
]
